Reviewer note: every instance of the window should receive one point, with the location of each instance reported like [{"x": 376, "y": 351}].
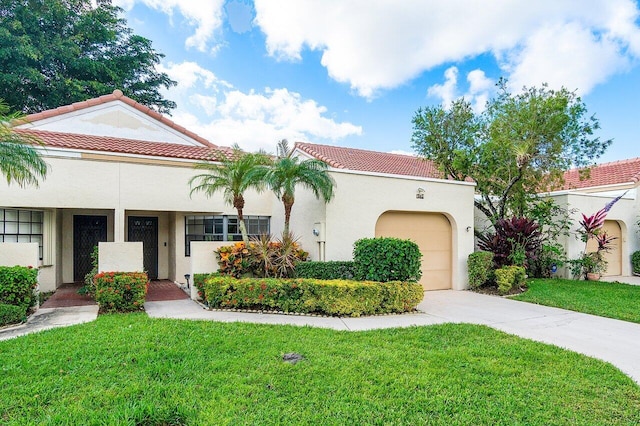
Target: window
[
  {"x": 21, "y": 226},
  {"x": 221, "y": 228}
]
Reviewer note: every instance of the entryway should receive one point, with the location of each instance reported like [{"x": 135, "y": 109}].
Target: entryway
[
  {"x": 88, "y": 231},
  {"x": 145, "y": 229}
]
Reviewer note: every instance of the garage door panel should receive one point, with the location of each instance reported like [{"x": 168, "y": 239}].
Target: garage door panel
[
  {"x": 432, "y": 233},
  {"x": 614, "y": 255}
]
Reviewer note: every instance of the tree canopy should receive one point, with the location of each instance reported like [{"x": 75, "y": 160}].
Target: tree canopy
[
  {"x": 519, "y": 146},
  {"x": 56, "y": 52}
]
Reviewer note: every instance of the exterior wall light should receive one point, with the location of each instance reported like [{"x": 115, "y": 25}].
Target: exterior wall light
[{"x": 420, "y": 194}]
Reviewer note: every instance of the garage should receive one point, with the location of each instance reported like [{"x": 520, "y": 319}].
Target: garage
[
  {"x": 432, "y": 233},
  {"x": 614, "y": 256}
]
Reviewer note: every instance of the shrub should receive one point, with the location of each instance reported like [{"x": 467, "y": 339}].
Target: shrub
[
  {"x": 11, "y": 314},
  {"x": 17, "y": 284},
  {"x": 199, "y": 281},
  {"x": 509, "y": 277},
  {"x": 386, "y": 259},
  {"x": 303, "y": 295},
  {"x": 516, "y": 241},
  {"x": 635, "y": 262},
  {"x": 89, "y": 286},
  {"x": 121, "y": 291},
  {"x": 333, "y": 270},
  {"x": 262, "y": 257},
  {"x": 480, "y": 266}
]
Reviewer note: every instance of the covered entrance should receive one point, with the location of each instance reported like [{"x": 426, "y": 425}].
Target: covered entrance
[
  {"x": 145, "y": 229},
  {"x": 88, "y": 231},
  {"x": 432, "y": 233}
]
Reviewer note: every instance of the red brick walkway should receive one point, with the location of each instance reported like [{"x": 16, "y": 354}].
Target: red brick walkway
[
  {"x": 162, "y": 290},
  {"x": 67, "y": 295}
]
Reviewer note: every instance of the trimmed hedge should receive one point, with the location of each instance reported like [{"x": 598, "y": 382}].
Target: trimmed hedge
[
  {"x": 303, "y": 295},
  {"x": 386, "y": 259},
  {"x": 635, "y": 262},
  {"x": 11, "y": 314},
  {"x": 121, "y": 291},
  {"x": 508, "y": 277},
  {"x": 16, "y": 286},
  {"x": 332, "y": 270},
  {"x": 480, "y": 266}
]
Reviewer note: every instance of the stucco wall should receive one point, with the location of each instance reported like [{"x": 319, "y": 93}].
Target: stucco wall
[
  {"x": 120, "y": 257},
  {"x": 203, "y": 260},
  {"x": 361, "y": 199},
  {"x": 19, "y": 254}
]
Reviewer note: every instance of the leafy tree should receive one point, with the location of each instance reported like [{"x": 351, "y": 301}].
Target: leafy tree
[
  {"x": 20, "y": 162},
  {"x": 288, "y": 171},
  {"x": 233, "y": 176},
  {"x": 519, "y": 146},
  {"x": 55, "y": 52}
]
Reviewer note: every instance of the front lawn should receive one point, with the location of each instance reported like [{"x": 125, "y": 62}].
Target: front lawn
[
  {"x": 133, "y": 370},
  {"x": 612, "y": 300}
]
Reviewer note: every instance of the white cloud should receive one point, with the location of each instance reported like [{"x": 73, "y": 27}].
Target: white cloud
[
  {"x": 255, "y": 119},
  {"x": 387, "y": 43},
  {"x": 205, "y": 15},
  {"x": 447, "y": 90},
  {"x": 478, "y": 92}
]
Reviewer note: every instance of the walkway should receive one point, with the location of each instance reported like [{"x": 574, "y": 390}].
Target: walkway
[{"x": 617, "y": 342}]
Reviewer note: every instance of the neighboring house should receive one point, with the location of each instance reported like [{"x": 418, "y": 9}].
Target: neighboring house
[
  {"x": 119, "y": 172},
  {"x": 605, "y": 182}
]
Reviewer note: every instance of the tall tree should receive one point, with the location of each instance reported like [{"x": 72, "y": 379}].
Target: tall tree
[
  {"x": 20, "y": 162},
  {"x": 289, "y": 171},
  {"x": 55, "y": 52},
  {"x": 520, "y": 145},
  {"x": 233, "y": 176}
]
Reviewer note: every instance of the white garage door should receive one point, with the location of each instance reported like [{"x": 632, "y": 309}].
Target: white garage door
[{"x": 432, "y": 233}]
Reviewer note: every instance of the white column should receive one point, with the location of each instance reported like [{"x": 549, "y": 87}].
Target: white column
[{"x": 118, "y": 226}]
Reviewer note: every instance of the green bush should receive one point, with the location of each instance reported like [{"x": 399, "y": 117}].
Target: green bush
[
  {"x": 16, "y": 286},
  {"x": 121, "y": 291},
  {"x": 304, "y": 295},
  {"x": 635, "y": 262},
  {"x": 11, "y": 314},
  {"x": 199, "y": 280},
  {"x": 386, "y": 259},
  {"x": 89, "y": 286},
  {"x": 509, "y": 277},
  {"x": 480, "y": 266},
  {"x": 333, "y": 270}
]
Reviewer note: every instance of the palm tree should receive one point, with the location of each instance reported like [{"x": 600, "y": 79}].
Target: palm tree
[
  {"x": 20, "y": 162},
  {"x": 289, "y": 171},
  {"x": 233, "y": 176}
]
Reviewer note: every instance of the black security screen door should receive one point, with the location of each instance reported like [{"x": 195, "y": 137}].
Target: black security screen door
[
  {"x": 88, "y": 231},
  {"x": 145, "y": 229}
]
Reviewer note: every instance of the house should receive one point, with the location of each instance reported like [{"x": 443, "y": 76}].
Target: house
[
  {"x": 119, "y": 172},
  {"x": 605, "y": 182}
]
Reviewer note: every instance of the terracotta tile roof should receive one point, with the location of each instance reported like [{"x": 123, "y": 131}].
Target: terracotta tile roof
[
  {"x": 116, "y": 95},
  {"x": 371, "y": 161},
  {"x": 617, "y": 172},
  {"x": 108, "y": 144}
]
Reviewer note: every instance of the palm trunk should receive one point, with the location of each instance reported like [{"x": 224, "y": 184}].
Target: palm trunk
[
  {"x": 287, "y": 200},
  {"x": 238, "y": 203}
]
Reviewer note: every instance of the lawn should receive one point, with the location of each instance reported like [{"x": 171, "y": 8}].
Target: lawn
[
  {"x": 133, "y": 370},
  {"x": 612, "y": 300}
]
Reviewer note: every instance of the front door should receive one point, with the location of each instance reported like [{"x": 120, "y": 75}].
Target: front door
[
  {"x": 145, "y": 229},
  {"x": 88, "y": 231}
]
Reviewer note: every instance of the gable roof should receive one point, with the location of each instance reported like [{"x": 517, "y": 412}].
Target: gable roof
[
  {"x": 109, "y": 144},
  {"x": 371, "y": 161},
  {"x": 117, "y": 95},
  {"x": 614, "y": 173}
]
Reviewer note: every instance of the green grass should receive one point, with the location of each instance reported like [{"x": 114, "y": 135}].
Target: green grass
[
  {"x": 132, "y": 370},
  {"x": 612, "y": 300}
]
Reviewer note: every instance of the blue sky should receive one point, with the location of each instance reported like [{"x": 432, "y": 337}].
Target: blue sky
[{"x": 353, "y": 73}]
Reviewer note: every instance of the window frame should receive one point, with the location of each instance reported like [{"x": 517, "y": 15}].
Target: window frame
[{"x": 230, "y": 228}]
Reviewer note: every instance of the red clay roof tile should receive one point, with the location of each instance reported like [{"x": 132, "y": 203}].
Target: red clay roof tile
[
  {"x": 617, "y": 172},
  {"x": 371, "y": 161},
  {"x": 126, "y": 146},
  {"x": 116, "y": 95}
]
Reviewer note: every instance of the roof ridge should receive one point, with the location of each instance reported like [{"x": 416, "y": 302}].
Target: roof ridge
[
  {"x": 360, "y": 149},
  {"x": 608, "y": 163},
  {"x": 114, "y": 96},
  {"x": 332, "y": 162}
]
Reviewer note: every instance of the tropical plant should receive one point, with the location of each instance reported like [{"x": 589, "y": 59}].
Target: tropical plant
[
  {"x": 233, "y": 175},
  {"x": 635, "y": 262},
  {"x": 20, "y": 162},
  {"x": 516, "y": 241},
  {"x": 289, "y": 171}
]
